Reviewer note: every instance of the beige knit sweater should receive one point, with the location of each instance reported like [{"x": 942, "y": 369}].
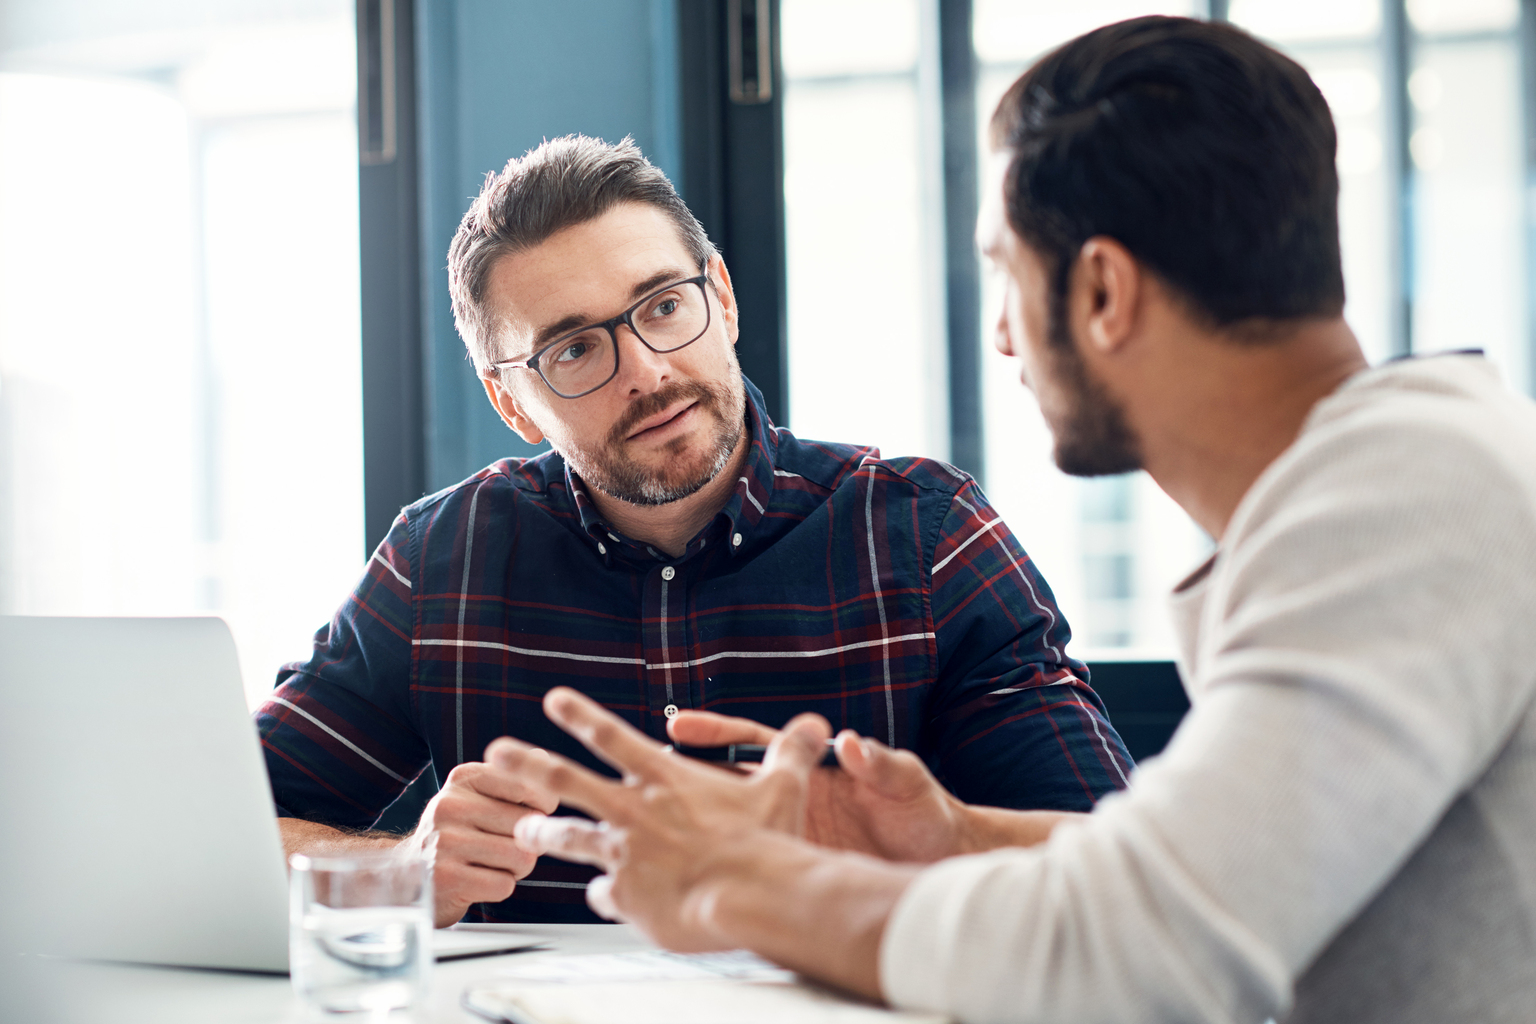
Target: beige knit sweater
[{"x": 1344, "y": 826}]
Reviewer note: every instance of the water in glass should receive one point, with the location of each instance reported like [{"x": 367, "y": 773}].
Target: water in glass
[
  {"x": 362, "y": 959},
  {"x": 361, "y": 936}
]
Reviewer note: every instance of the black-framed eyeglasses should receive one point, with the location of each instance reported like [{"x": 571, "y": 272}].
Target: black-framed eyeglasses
[{"x": 582, "y": 361}]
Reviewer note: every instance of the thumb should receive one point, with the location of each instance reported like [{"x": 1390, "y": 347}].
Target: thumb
[
  {"x": 894, "y": 774},
  {"x": 799, "y": 747}
]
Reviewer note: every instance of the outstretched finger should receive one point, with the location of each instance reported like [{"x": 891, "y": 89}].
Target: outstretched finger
[
  {"x": 707, "y": 729},
  {"x": 570, "y": 783},
  {"x": 572, "y": 839},
  {"x": 605, "y": 734}
]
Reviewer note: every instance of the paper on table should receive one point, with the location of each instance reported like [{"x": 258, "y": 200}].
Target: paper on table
[
  {"x": 649, "y": 965},
  {"x": 658, "y": 987}
]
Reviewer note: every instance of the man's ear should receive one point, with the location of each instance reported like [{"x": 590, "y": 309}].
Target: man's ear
[
  {"x": 1107, "y": 287},
  {"x": 510, "y": 412},
  {"x": 722, "y": 279}
]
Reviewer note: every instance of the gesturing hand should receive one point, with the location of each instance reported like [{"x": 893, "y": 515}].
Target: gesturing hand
[
  {"x": 470, "y": 823},
  {"x": 673, "y": 829},
  {"x": 881, "y": 801}
]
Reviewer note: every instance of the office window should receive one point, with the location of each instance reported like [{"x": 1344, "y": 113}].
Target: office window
[
  {"x": 1339, "y": 45},
  {"x": 179, "y": 394},
  {"x": 1433, "y": 217},
  {"x": 1456, "y": 261},
  {"x": 1469, "y": 258},
  {"x": 864, "y": 229}
]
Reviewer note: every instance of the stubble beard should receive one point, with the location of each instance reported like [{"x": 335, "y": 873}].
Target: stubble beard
[
  {"x": 608, "y": 468},
  {"x": 1094, "y": 437}
]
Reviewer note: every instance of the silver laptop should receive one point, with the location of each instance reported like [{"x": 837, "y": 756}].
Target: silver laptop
[{"x": 140, "y": 799}]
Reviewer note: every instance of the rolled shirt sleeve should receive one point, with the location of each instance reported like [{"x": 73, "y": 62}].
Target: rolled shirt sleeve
[
  {"x": 1013, "y": 720},
  {"x": 338, "y": 731}
]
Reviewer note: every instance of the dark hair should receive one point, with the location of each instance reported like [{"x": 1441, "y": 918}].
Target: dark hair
[
  {"x": 1207, "y": 154},
  {"x": 557, "y": 184}
]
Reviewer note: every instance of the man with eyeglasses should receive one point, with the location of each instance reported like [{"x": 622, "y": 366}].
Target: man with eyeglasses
[{"x": 677, "y": 557}]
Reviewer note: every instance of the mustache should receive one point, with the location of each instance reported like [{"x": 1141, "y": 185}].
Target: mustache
[{"x": 657, "y": 401}]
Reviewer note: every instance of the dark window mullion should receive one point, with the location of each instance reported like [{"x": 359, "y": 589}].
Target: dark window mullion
[
  {"x": 1527, "y": 31},
  {"x": 957, "y": 82},
  {"x": 732, "y": 176},
  {"x": 394, "y": 466},
  {"x": 1396, "y": 66}
]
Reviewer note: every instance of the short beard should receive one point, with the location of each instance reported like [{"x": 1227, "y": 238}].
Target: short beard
[
  {"x": 606, "y": 468},
  {"x": 1095, "y": 438}
]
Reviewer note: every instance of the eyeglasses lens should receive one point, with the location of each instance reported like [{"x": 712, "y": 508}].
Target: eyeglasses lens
[{"x": 665, "y": 321}]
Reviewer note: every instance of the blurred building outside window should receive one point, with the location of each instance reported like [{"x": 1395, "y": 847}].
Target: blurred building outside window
[
  {"x": 864, "y": 227},
  {"x": 179, "y": 389}
]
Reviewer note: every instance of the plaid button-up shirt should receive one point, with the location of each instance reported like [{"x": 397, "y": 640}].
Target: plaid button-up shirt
[{"x": 885, "y": 594}]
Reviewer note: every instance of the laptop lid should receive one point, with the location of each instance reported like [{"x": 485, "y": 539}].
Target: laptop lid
[
  {"x": 150, "y": 823},
  {"x": 140, "y": 799}
]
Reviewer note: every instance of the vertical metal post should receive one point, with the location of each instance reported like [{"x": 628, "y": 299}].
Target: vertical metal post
[
  {"x": 1216, "y": 10},
  {"x": 933, "y": 405},
  {"x": 377, "y": 82},
  {"x": 749, "y": 50},
  {"x": 394, "y": 462},
  {"x": 700, "y": 177},
  {"x": 753, "y": 168},
  {"x": 957, "y": 74},
  {"x": 1528, "y": 198},
  {"x": 1396, "y": 65},
  {"x": 732, "y": 168}
]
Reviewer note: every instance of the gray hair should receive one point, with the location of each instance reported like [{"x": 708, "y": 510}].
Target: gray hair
[{"x": 557, "y": 184}]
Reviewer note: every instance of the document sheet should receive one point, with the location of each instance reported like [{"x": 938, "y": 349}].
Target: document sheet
[{"x": 659, "y": 987}]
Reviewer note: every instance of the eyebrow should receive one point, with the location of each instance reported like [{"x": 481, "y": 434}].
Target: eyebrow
[{"x": 567, "y": 324}]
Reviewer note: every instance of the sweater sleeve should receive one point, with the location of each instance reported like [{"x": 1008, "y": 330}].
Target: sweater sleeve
[{"x": 1366, "y": 653}]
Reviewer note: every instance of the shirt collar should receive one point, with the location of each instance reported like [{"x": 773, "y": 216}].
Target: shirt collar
[
  {"x": 735, "y": 524},
  {"x": 754, "y": 488}
]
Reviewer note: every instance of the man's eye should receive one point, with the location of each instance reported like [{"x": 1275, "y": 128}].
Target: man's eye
[
  {"x": 663, "y": 308},
  {"x": 573, "y": 351}
]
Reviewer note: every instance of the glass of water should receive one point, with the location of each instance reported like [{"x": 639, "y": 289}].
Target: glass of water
[{"x": 360, "y": 935}]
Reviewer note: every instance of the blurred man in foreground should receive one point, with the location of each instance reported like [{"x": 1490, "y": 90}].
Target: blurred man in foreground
[{"x": 1344, "y": 827}]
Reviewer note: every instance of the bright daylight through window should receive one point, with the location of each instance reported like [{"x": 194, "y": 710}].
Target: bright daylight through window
[
  {"x": 179, "y": 396},
  {"x": 179, "y": 399},
  {"x": 1431, "y": 165}
]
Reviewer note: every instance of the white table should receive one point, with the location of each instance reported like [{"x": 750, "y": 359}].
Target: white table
[{"x": 98, "y": 993}]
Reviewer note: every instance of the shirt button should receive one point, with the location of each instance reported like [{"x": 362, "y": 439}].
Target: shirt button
[
  {"x": 736, "y": 541},
  {"x": 602, "y": 549},
  {"x": 670, "y": 710},
  {"x": 666, "y": 574}
]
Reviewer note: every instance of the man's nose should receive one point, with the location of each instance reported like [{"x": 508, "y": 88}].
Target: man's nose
[
  {"x": 641, "y": 370},
  {"x": 1000, "y": 336}
]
